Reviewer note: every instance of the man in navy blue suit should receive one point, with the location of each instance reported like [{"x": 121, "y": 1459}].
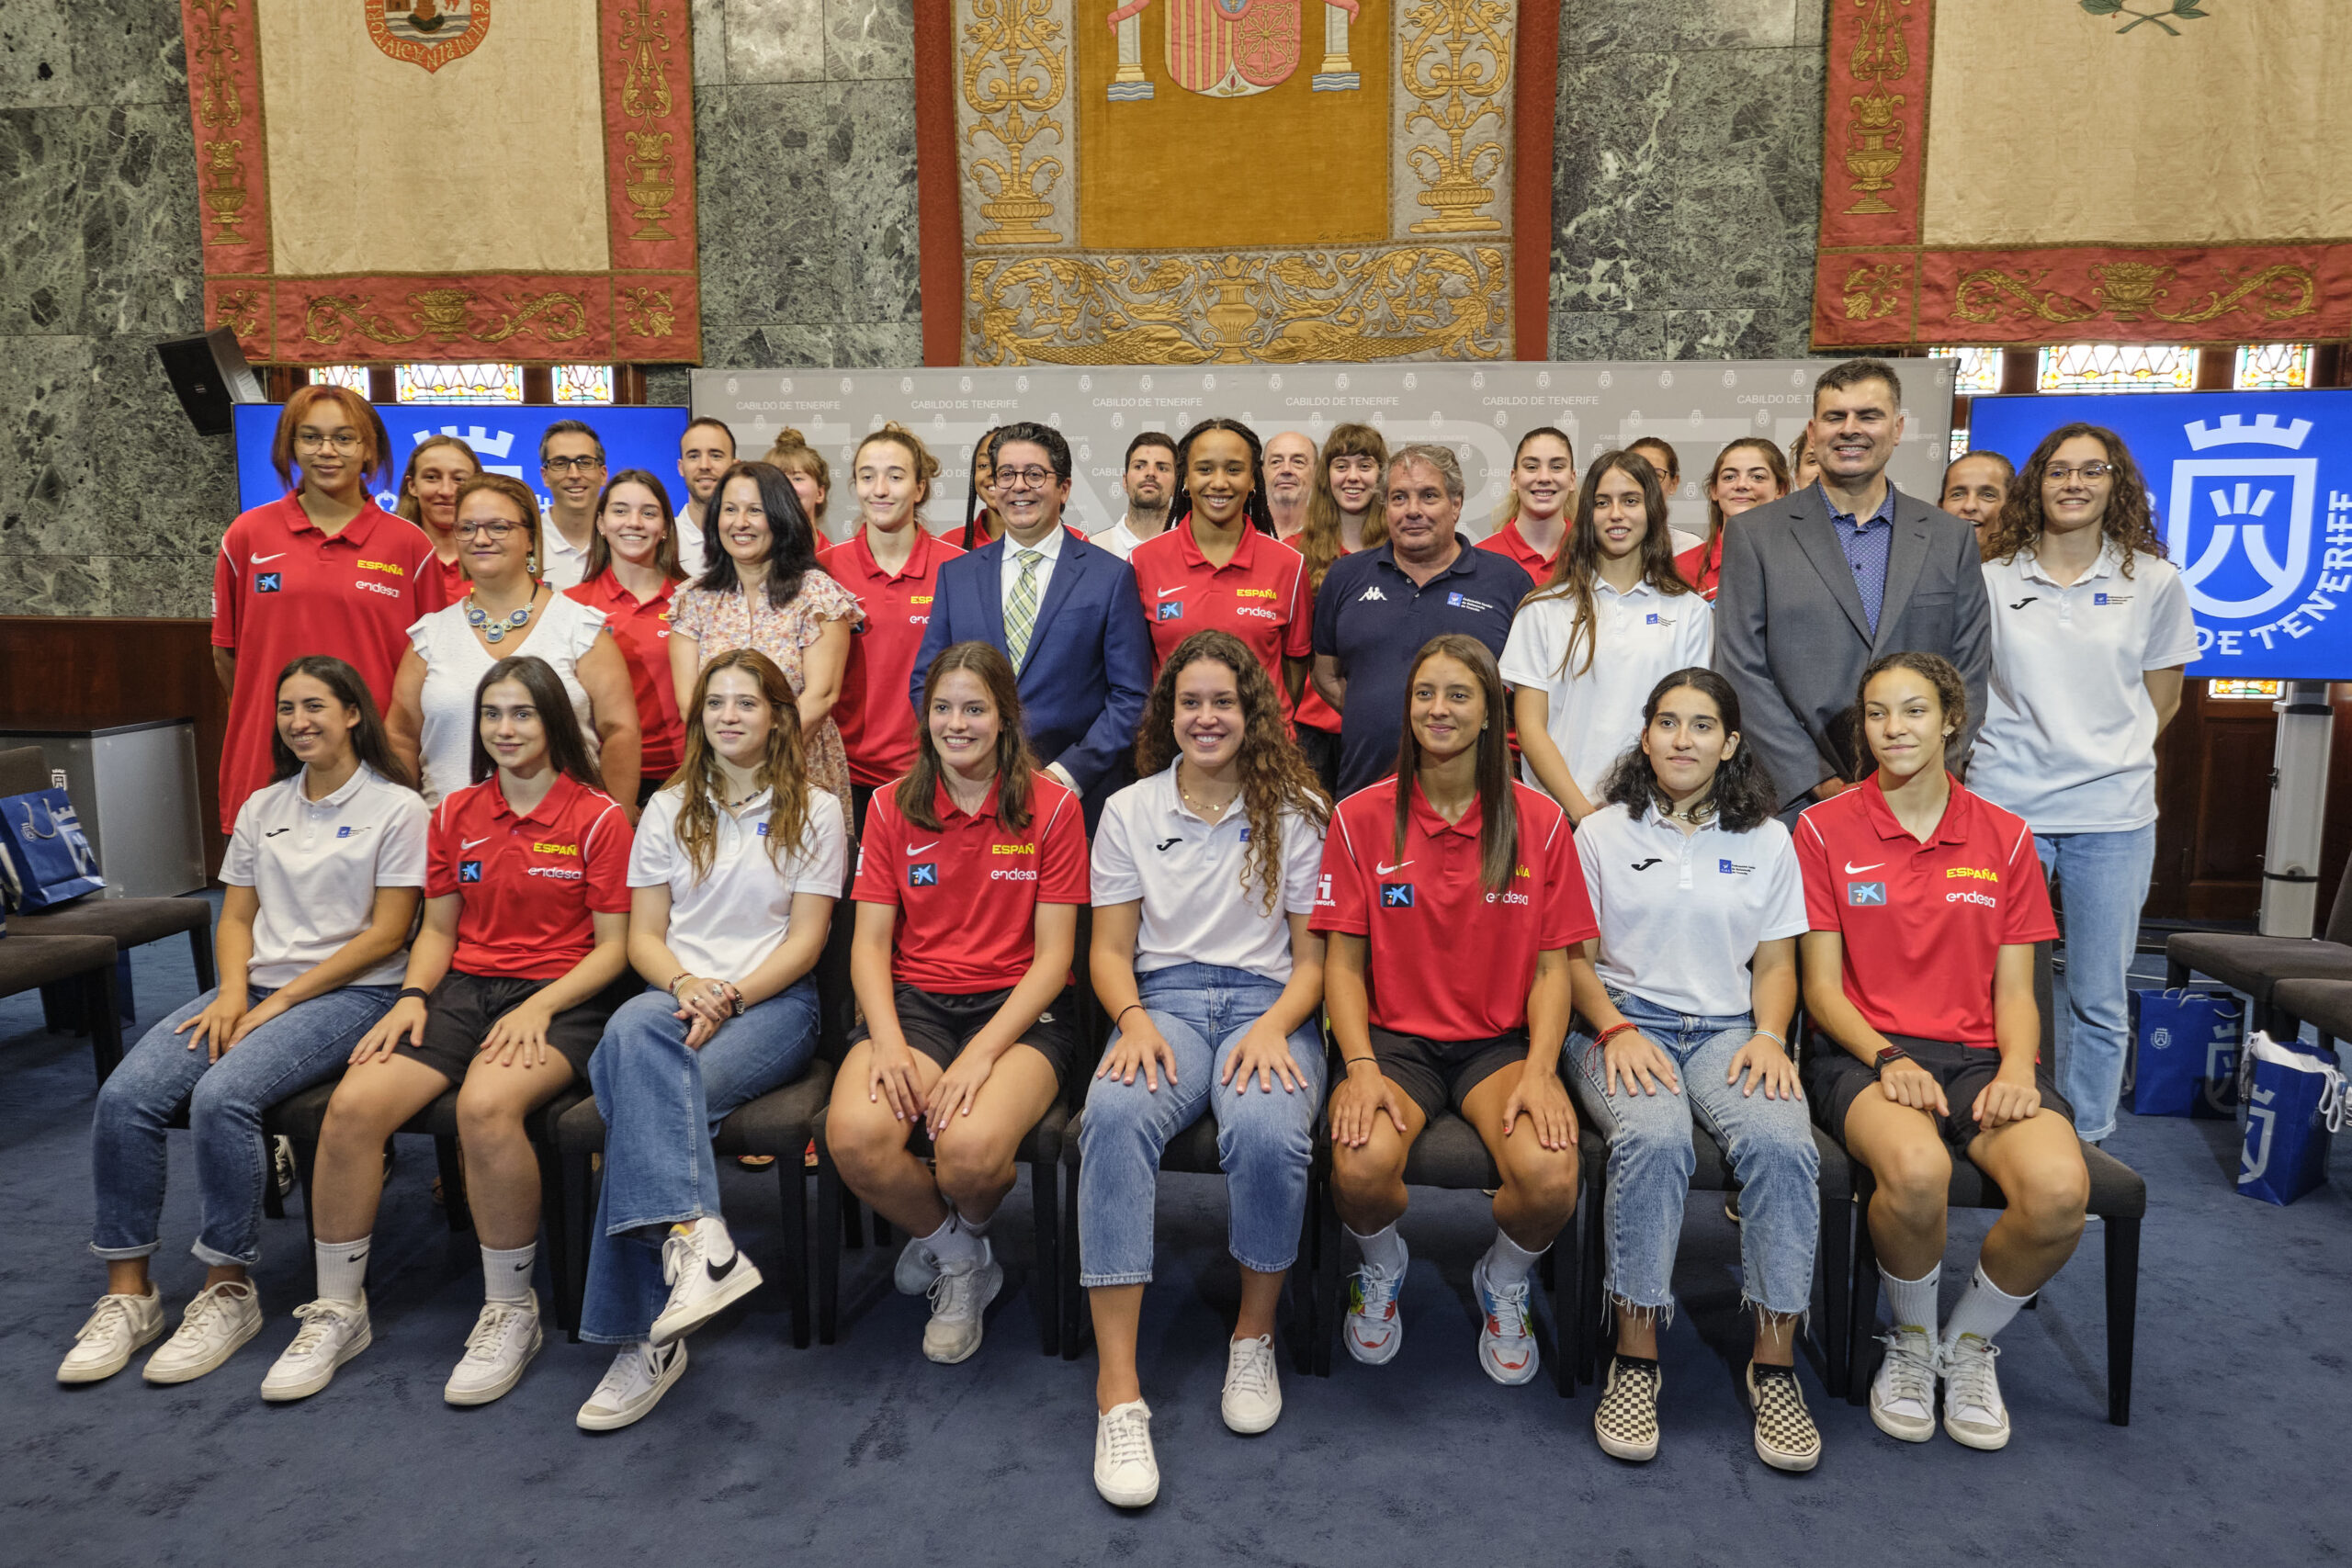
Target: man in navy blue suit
[{"x": 1064, "y": 611}]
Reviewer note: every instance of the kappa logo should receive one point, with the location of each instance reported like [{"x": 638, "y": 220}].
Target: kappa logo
[
  {"x": 923, "y": 875},
  {"x": 1395, "y": 895},
  {"x": 1861, "y": 895},
  {"x": 1371, "y": 595}
]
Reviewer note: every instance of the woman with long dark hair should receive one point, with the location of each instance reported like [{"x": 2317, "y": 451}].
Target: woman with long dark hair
[
  {"x": 1205, "y": 875},
  {"x": 983, "y": 523},
  {"x": 1346, "y": 512},
  {"x": 632, "y": 574},
  {"x": 1745, "y": 475},
  {"x": 323, "y": 874},
  {"x": 1685, "y": 1001}
]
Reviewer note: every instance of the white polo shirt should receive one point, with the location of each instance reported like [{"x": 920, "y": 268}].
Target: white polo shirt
[
  {"x": 2069, "y": 740},
  {"x": 315, "y": 866},
  {"x": 1593, "y": 714},
  {"x": 724, "y": 924},
  {"x": 691, "y": 559},
  {"x": 1118, "y": 538},
  {"x": 564, "y": 565},
  {"x": 1187, "y": 872},
  {"x": 1681, "y": 914}
]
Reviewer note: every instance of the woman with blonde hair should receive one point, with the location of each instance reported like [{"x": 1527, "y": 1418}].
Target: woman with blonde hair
[{"x": 812, "y": 477}]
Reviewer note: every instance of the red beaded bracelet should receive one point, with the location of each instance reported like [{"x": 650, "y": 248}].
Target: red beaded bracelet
[{"x": 1611, "y": 1032}]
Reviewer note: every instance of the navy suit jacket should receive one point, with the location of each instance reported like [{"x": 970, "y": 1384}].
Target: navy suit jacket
[{"x": 1089, "y": 669}]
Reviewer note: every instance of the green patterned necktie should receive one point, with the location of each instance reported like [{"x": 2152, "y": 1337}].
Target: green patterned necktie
[{"x": 1021, "y": 611}]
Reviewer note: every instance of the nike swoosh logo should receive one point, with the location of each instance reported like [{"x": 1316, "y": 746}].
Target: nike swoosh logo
[
  {"x": 719, "y": 1271},
  {"x": 918, "y": 849},
  {"x": 1380, "y": 870},
  {"x": 1853, "y": 870},
  {"x": 258, "y": 560},
  {"x": 469, "y": 843},
  {"x": 1166, "y": 591},
  {"x": 356, "y": 1258},
  {"x": 521, "y": 1268}
]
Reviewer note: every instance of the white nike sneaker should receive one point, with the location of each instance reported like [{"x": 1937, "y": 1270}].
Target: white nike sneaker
[
  {"x": 1902, "y": 1395},
  {"x": 1374, "y": 1330},
  {"x": 218, "y": 1324},
  {"x": 118, "y": 1327},
  {"x": 700, "y": 1288},
  {"x": 332, "y": 1333},
  {"x": 1125, "y": 1472},
  {"x": 635, "y": 1383},
  {"x": 1974, "y": 1412},
  {"x": 1507, "y": 1350},
  {"x": 917, "y": 1266},
  {"x": 957, "y": 1301},
  {"x": 1253, "y": 1393},
  {"x": 505, "y": 1337}
]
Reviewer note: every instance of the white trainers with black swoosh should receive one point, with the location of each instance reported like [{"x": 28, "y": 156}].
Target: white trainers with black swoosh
[{"x": 707, "y": 1273}]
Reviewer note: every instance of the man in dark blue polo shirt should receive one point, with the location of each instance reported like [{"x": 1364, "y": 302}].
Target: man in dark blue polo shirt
[{"x": 1378, "y": 607}]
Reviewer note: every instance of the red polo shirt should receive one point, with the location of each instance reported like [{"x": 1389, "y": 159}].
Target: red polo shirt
[
  {"x": 1922, "y": 922},
  {"x": 281, "y": 589},
  {"x": 455, "y": 583},
  {"x": 876, "y": 724},
  {"x": 1508, "y": 540},
  {"x": 1260, "y": 596},
  {"x": 642, "y": 628},
  {"x": 1448, "y": 960},
  {"x": 1704, "y": 567},
  {"x": 528, "y": 884},
  {"x": 968, "y": 892}
]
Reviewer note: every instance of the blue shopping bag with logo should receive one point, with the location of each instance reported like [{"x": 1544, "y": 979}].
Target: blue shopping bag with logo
[
  {"x": 2185, "y": 1052},
  {"x": 45, "y": 858},
  {"x": 2293, "y": 1100}
]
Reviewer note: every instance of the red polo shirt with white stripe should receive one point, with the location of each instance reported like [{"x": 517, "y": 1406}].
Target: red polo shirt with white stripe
[
  {"x": 530, "y": 883},
  {"x": 1508, "y": 540},
  {"x": 1260, "y": 595},
  {"x": 281, "y": 589},
  {"x": 877, "y": 725},
  {"x": 1922, "y": 923},
  {"x": 967, "y": 891},
  {"x": 642, "y": 628},
  {"x": 1449, "y": 961}
]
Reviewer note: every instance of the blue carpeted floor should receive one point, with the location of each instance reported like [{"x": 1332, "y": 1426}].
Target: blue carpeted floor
[{"x": 864, "y": 1451}]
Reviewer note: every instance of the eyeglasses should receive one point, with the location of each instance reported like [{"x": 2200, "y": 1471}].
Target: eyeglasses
[
  {"x": 1024, "y": 478},
  {"x": 2062, "y": 473},
  {"x": 570, "y": 465},
  {"x": 494, "y": 532},
  {"x": 311, "y": 441}
]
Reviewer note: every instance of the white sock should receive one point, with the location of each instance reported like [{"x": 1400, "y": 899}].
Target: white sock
[
  {"x": 343, "y": 1268},
  {"x": 1914, "y": 1300},
  {"x": 956, "y": 1249},
  {"x": 718, "y": 1245},
  {"x": 1508, "y": 1262},
  {"x": 1383, "y": 1249},
  {"x": 1983, "y": 1309},
  {"x": 506, "y": 1276}
]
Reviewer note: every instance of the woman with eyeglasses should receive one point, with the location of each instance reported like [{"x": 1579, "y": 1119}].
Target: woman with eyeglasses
[
  {"x": 508, "y": 612},
  {"x": 322, "y": 570},
  {"x": 633, "y": 570},
  {"x": 2091, "y": 630},
  {"x": 429, "y": 499}
]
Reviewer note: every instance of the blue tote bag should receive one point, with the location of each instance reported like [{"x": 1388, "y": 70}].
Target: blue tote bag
[
  {"x": 2293, "y": 1100},
  {"x": 2185, "y": 1052},
  {"x": 45, "y": 858}
]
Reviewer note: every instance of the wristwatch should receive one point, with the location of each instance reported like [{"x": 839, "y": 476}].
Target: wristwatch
[{"x": 1892, "y": 1054}]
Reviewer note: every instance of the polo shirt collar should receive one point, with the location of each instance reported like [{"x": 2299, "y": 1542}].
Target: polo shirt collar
[
  {"x": 358, "y": 531},
  {"x": 550, "y": 805},
  {"x": 610, "y": 595},
  {"x": 1245, "y": 554},
  {"x": 1462, "y": 564},
  {"x": 2110, "y": 560},
  {"x": 944, "y": 806},
  {"x": 343, "y": 792},
  {"x": 1958, "y": 813},
  {"x": 1426, "y": 818},
  {"x": 918, "y": 558},
  {"x": 1641, "y": 588}
]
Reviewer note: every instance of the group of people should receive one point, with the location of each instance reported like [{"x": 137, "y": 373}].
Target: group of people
[{"x": 1562, "y": 822}]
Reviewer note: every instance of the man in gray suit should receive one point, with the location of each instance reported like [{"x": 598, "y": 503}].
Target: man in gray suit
[{"x": 1818, "y": 585}]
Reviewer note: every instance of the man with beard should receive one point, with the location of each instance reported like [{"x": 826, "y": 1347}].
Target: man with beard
[
  {"x": 704, "y": 453},
  {"x": 1149, "y": 483}
]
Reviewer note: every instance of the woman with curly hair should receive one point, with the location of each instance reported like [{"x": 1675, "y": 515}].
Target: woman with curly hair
[
  {"x": 2091, "y": 628},
  {"x": 1205, "y": 874}
]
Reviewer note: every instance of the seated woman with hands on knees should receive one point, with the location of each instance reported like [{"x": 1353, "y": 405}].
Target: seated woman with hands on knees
[
  {"x": 1688, "y": 996},
  {"x": 734, "y": 874},
  {"x": 1205, "y": 875},
  {"x": 323, "y": 874},
  {"x": 1452, "y": 899},
  {"x": 970, "y": 873},
  {"x": 1926, "y": 902},
  {"x": 519, "y": 961}
]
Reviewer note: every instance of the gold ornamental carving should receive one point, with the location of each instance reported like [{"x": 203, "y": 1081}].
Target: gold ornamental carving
[
  {"x": 1988, "y": 293},
  {"x": 1873, "y": 290},
  {"x": 1353, "y": 305},
  {"x": 2132, "y": 292},
  {"x": 445, "y": 314},
  {"x": 1456, "y": 59},
  {"x": 652, "y": 181},
  {"x": 1881, "y": 55},
  {"x": 212, "y": 50},
  {"x": 239, "y": 309},
  {"x": 647, "y": 312},
  {"x": 1012, "y": 103},
  {"x": 224, "y": 187}
]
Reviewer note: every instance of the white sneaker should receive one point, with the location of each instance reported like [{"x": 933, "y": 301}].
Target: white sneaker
[
  {"x": 917, "y": 1266},
  {"x": 1973, "y": 1413},
  {"x": 699, "y": 1289},
  {"x": 958, "y": 1302},
  {"x": 218, "y": 1324},
  {"x": 1253, "y": 1393},
  {"x": 1125, "y": 1470},
  {"x": 635, "y": 1383},
  {"x": 505, "y": 1337},
  {"x": 1507, "y": 1337},
  {"x": 1902, "y": 1395},
  {"x": 1374, "y": 1330},
  {"x": 118, "y": 1325},
  {"x": 332, "y": 1333}
]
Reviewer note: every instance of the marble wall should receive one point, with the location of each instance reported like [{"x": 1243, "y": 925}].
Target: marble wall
[{"x": 1689, "y": 138}]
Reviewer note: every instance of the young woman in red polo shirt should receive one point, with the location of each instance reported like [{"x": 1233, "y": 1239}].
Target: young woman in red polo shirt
[
  {"x": 1746, "y": 474},
  {"x": 1926, "y": 902},
  {"x": 1452, "y": 898},
  {"x": 1346, "y": 512},
  {"x": 428, "y": 498},
  {"x": 522, "y": 957},
  {"x": 1543, "y": 484},
  {"x": 632, "y": 571},
  {"x": 970, "y": 873}
]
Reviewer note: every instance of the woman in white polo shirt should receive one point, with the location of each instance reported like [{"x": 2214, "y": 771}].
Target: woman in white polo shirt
[
  {"x": 2091, "y": 628},
  {"x": 1203, "y": 874},
  {"x": 323, "y": 873},
  {"x": 734, "y": 872},
  {"x": 1685, "y": 1002}
]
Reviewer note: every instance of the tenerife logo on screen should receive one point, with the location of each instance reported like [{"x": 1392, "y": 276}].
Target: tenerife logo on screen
[{"x": 2243, "y": 524}]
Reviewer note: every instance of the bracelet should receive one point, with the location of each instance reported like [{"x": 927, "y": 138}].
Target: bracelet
[
  {"x": 418, "y": 992},
  {"x": 1611, "y": 1032},
  {"x": 1351, "y": 1061},
  {"x": 1773, "y": 1038},
  {"x": 680, "y": 978},
  {"x": 1123, "y": 1012}
]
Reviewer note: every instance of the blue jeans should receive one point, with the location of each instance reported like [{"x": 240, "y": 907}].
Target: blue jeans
[
  {"x": 1769, "y": 1143},
  {"x": 2106, "y": 880},
  {"x": 1265, "y": 1140},
  {"x": 661, "y": 1102},
  {"x": 307, "y": 1043}
]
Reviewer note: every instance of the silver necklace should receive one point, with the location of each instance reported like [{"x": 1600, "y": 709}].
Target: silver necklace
[{"x": 495, "y": 629}]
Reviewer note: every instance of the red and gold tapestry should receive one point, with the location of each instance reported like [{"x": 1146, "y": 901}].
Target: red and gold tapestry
[
  {"x": 2035, "y": 171},
  {"x": 506, "y": 180}
]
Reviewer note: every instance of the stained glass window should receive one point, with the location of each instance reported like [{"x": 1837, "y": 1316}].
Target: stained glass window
[
  {"x": 458, "y": 383},
  {"x": 1959, "y": 443},
  {"x": 1980, "y": 370},
  {"x": 351, "y": 377},
  {"x": 584, "y": 383},
  {"x": 2246, "y": 691},
  {"x": 2117, "y": 367},
  {"x": 2273, "y": 368}
]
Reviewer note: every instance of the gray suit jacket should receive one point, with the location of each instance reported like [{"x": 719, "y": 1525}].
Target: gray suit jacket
[{"x": 1793, "y": 640}]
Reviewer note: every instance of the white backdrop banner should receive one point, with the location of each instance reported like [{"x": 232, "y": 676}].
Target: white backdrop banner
[{"x": 1695, "y": 405}]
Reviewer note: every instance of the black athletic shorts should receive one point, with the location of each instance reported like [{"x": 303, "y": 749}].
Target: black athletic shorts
[
  {"x": 459, "y": 1013},
  {"x": 940, "y": 1025},
  {"x": 1834, "y": 1077},
  {"x": 1440, "y": 1073}
]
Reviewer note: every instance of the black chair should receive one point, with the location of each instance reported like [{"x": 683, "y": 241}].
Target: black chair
[
  {"x": 2325, "y": 1004},
  {"x": 80, "y": 966},
  {"x": 2256, "y": 965}
]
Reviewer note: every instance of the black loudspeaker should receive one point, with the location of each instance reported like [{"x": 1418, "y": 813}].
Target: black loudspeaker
[{"x": 210, "y": 373}]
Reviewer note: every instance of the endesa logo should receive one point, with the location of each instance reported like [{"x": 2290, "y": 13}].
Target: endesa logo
[
  {"x": 386, "y": 588},
  {"x": 557, "y": 873},
  {"x": 1969, "y": 895}
]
